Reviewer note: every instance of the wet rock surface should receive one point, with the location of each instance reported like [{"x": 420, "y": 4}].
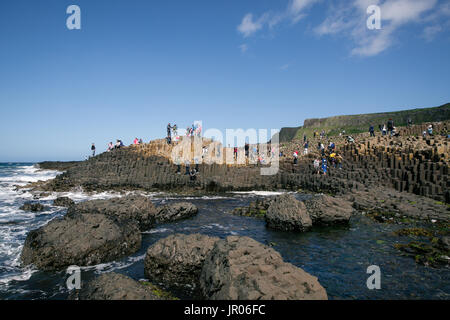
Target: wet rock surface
[
  {"x": 288, "y": 214},
  {"x": 327, "y": 210},
  {"x": 257, "y": 209},
  {"x": 133, "y": 208},
  {"x": 63, "y": 202},
  {"x": 33, "y": 207},
  {"x": 81, "y": 239},
  {"x": 240, "y": 268},
  {"x": 177, "y": 261},
  {"x": 175, "y": 211},
  {"x": 114, "y": 286}
]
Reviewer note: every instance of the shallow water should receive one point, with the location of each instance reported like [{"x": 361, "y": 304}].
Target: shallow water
[{"x": 338, "y": 256}]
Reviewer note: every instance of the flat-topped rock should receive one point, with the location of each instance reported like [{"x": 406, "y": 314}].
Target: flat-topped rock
[
  {"x": 175, "y": 211},
  {"x": 133, "y": 208},
  {"x": 114, "y": 286},
  {"x": 63, "y": 202},
  {"x": 327, "y": 210},
  {"x": 240, "y": 268},
  {"x": 287, "y": 213},
  {"x": 33, "y": 207},
  {"x": 178, "y": 259},
  {"x": 81, "y": 239}
]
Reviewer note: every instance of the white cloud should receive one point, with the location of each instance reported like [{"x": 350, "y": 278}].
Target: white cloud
[
  {"x": 348, "y": 19},
  {"x": 430, "y": 32},
  {"x": 248, "y": 26},
  {"x": 243, "y": 47},
  {"x": 294, "y": 12},
  {"x": 284, "y": 67}
]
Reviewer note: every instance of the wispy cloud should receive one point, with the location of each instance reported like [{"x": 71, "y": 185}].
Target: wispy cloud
[
  {"x": 348, "y": 19},
  {"x": 243, "y": 47},
  {"x": 249, "y": 26},
  {"x": 294, "y": 13}
]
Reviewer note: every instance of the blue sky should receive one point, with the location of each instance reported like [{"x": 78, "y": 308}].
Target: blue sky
[{"x": 136, "y": 65}]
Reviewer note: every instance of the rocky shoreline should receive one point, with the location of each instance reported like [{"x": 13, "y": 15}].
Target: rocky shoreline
[{"x": 374, "y": 181}]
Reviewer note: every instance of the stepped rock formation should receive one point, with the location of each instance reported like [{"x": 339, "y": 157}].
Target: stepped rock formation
[{"x": 409, "y": 163}]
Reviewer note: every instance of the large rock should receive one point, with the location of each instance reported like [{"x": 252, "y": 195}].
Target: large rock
[
  {"x": 177, "y": 260},
  {"x": 63, "y": 202},
  {"x": 33, "y": 207},
  {"x": 327, "y": 210},
  {"x": 287, "y": 213},
  {"x": 130, "y": 208},
  {"x": 83, "y": 239},
  {"x": 240, "y": 268},
  {"x": 114, "y": 286},
  {"x": 175, "y": 211}
]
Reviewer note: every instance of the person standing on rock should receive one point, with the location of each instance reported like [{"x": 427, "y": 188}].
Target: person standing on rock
[
  {"x": 372, "y": 131},
  {"x": 110, "y": 146},
  {"x": 196, "y": 164},
  {"x": 188, "y": 164},
  {"x": 339, "y": 160},
  {"x": 175, "y": 130},
  {"x": 295, "y": 157},
  {"x": 390, "y": 126},
  {"x": 93, "y": 149},
  {"x": 193, "y": 175},
  {"x": 324, "y": 166},
  {"x": 317, "y": 166},
  {"x": 305, "y": 151}
]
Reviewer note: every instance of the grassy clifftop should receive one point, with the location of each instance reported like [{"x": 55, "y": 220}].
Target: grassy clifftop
[{"x": 361, "y": 122}]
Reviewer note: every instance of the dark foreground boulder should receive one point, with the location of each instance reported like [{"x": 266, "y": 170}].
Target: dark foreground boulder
[
  {"x": 288, "y": 214},
  {"x": 114, "y": 286},
  {"x": 83, "y": 239},
  {"x": 63, "y": 202},
  {"x": 138, "y": 209},
  {"x": 240, "y": 268},
  {"x": 33, "y": 207},
  {"x": 177, "y": 260},
  {"x": 327, "y": 210},
  {"x": 175, "y": 211}
]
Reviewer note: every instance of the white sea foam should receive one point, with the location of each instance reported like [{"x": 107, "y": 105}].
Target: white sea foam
[
  {"x": 157, "y": 230},
  {"x": 260, "y": 193},
  {"x": 113, "y": 265},
  {"x": 16, "y": 223}
]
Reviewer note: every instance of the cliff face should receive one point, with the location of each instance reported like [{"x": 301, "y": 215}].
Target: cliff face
[{"x": 360, "y": 123}]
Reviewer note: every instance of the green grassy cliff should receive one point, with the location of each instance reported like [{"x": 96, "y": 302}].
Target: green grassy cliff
[{"x": 361, "y": 122}]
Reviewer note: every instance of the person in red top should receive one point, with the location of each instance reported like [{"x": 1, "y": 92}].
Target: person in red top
[
  {"x": 136, "y": 141},
  {"x": 295, "y": 156}
]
